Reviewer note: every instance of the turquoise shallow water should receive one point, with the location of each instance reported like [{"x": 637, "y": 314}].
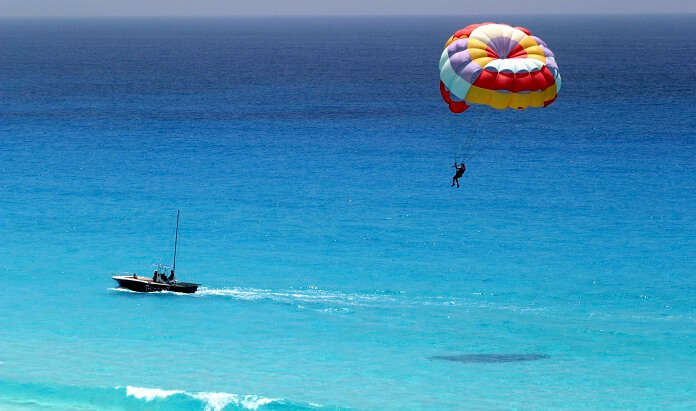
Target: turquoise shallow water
[{"x": 336, "y": 261}]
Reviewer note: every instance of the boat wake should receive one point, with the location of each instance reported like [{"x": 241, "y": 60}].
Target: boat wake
[
  {"x": 122, "y": 290},
  {"x": 309, "y": 295},
  {"x": 338, "y": 302},
  {"x": 347, "y": 302}
]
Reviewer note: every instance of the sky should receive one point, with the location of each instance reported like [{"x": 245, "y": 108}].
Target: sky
[{"x": 84, "y": 8}]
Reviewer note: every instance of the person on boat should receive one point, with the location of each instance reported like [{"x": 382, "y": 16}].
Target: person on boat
[
  {"x": 155, "y": 276},
  {"x": 460, "y": 169},
  {"x": 171, "y": 275}
]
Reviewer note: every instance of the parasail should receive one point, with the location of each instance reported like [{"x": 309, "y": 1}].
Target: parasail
[{"x": 499, "y": 66}]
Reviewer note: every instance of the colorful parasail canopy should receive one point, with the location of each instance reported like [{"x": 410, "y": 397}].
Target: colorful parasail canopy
[{"x": 499, "y": 66}]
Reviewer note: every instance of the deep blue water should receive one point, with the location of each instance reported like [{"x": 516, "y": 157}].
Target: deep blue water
[{"x": 311, "y": 161}]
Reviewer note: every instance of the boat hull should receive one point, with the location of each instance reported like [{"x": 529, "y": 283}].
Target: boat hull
[{"x": 144, "y": 285}]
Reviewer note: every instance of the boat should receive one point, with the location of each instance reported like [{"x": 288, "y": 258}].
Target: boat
[
  {"x": 142, "y": 284},
  {"x": 159, "y": 280}
]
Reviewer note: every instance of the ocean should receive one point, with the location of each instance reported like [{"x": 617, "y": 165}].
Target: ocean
[{"x": 311, "y": 161}]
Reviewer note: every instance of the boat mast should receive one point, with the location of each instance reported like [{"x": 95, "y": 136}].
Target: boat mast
[{"x": 176, "y": 239}]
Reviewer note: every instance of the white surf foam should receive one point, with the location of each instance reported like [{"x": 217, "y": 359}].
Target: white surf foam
[
  {"x": 253, "y": 402},
  {"x": 217, "y": 401},
  {"x": 214, "y": 401},
  {"x": 149, "y": 394}
]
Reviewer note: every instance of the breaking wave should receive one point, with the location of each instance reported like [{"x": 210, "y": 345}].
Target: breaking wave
[
  {"x": 55, "y": 397},
  {"x": 212, "y": 401}
]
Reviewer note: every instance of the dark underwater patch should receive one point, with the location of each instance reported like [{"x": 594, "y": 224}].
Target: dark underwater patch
[{"x": 490, "y": 358}]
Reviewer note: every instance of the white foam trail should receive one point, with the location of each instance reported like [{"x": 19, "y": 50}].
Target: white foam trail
[
  {"x": 248, "y": 294},
  {"x": 122, "y": 290},
  {"x": 149, "y": 394},
  {"x": 311, "y": 295},
  {"x": 337, "y": 301}
]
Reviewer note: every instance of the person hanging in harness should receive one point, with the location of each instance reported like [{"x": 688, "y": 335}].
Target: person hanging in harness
[{"x": 461, "y": 168}]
